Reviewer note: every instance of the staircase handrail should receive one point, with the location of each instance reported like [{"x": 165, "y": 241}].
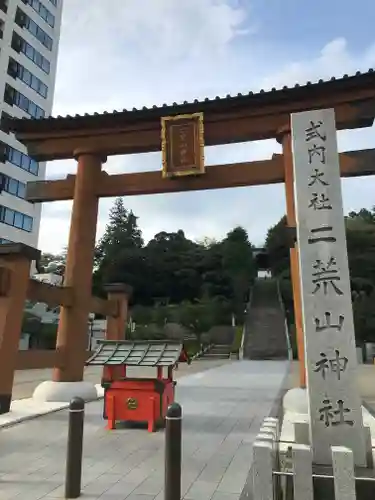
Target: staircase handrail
[
  {"x": 202, "y": 351},
  {"x": 248, "y": 306},
  {"x": 286, "y": 327}
]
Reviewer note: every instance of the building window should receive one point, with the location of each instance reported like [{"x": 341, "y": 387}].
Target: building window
[
  {"x": 21, "y": 160},
  {"x": 13, "y": 186},
  {"x": 12, "y": 96},
  {"x": 16, "y": 70},
  {"x": 16, "y": 219},
  {"x": 2, "y": 26},
  {"x": 20, "y": 45},
  {"x": 25, "y": 21},
  {"x": 4, "y": 241},
  {"x": 53, "y": 2},
  {"x": 4, "y": 115},
  {"x": 4, "y": 5},
  {"x": 42, "y": 11}
]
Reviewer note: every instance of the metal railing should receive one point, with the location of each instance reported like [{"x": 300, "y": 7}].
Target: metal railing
[{"x": 286, "y": 328}]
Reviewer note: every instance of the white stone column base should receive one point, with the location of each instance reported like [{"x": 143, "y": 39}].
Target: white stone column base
[
  {"x": 295, "y": 401},
  {"x": 63, "y": 392}
]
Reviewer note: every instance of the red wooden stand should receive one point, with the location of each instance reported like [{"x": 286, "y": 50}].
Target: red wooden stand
[{"x": 128, "y": 399}]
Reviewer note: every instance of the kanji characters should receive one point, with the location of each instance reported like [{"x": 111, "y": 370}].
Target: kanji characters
[
  {"x": 334, "y": 416},
  {"x": 335, "y": 365},
  {"x": 319, "y": 151},
  {"x": 325, "y": 276},
  {"x": 317, "y": 177},
  {"x": 326, "y": 323},
  {"x": 320, "y": 202},
  {"x": 313, "y": 131},
  {"x": 321, "y": 234}
]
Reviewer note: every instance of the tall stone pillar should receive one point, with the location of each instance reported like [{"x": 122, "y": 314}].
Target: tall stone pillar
[
  {"x": 73, "y": 323},
  {"x": 285, "y": 139},
  {"x": 15, "y": 260},
  {"x": 116, "y": 326}
]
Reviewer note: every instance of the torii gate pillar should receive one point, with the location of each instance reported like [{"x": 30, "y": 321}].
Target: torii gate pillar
[
  {"x": 284, "y": 138},
  {"x": 73, "y": 324}
]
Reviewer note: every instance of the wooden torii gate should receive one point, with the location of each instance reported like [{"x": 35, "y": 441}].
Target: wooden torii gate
[{"x": 256, "y": 116}]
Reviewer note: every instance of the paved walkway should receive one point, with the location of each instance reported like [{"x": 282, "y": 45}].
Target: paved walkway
[
  {"x": 223, "y": 408},
  {"x": 25, "y": 381}
]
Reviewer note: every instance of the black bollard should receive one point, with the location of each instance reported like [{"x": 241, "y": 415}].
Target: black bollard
[
  {"x": 173, "y": 446},
  {"x": 75, "y": 446}
]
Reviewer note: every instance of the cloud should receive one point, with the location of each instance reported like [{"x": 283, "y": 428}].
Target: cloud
[
  {"x": 334, "y": 59},
  {"x": 137, "y": 52},
  {"x": 145, "y": 52}
]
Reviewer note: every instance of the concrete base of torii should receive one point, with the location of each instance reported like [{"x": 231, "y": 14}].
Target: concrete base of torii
[
  {"x": 296, "y": 418},
  {"x": 50, "y": 391},
  {"x": 295, "y": 401},
  {"x": 295, "y": 429}
]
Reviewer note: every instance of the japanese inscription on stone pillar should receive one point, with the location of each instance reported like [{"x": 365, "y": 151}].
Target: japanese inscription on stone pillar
[
  {"x": 182, "y": 145},
  {"x": 334, "y": 402}
]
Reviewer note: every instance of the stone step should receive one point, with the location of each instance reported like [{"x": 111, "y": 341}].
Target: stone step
[
  {"x": 217, "y": 351},
  {"x": 265, "y": 324},
  {"x": 207, "y": 357}
]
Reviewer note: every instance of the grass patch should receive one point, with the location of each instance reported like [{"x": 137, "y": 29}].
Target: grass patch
[
  {"x": 192, "y": 346},
  {"x": 237, "y": 341}
]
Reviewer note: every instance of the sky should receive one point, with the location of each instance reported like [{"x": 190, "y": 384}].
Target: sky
[{"x": 132, "y": 53}]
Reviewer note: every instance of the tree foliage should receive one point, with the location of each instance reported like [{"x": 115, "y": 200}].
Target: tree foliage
[
  {"x": 202, "y": 283},
  {"x": 360, "y": 235},
  {"x": 42, "y": 335},
  {"x": 277, "y": 247},
  {"x": 171, "y": 268}
]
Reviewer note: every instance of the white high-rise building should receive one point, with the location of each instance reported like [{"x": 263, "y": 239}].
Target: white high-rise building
[{"x": 29, "y": 40}]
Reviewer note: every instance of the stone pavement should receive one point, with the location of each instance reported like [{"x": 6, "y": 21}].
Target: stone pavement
[
  {"x": 223, "y": 408},
  {"x": 25, "y": 407},
  {"x": 25, "y": 381}
]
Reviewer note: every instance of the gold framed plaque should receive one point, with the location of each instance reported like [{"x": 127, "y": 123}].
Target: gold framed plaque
[
  {"x": 132, "y": 403},
  {"x": 182, "y": 145}
]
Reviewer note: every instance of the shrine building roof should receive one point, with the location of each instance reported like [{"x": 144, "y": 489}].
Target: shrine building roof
[{"x": 136, "y": 353}]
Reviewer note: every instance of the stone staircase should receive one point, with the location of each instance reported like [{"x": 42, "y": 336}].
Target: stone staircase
[
  {"x": 265, "y": 324},
  {"x": 217, "y": 351}
]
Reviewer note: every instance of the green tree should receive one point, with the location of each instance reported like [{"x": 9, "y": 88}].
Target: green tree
[
  {"x": 216, "y": 281},
  {"x": 42, "y": 335},
  {"x": 161, "y": 314},
  {"x": 121, "y": 232},
  {"x": 31, "y": 325},
  {"x": 174, "y": 261},
  {"x": 141, "y": 315},
  {"x": 364, "y": 214},
  {"x": 364, "y": 317},
  {"x": 118, "y": 256},
  {"x": 197, "y": 317},
  {"x": 239, "y": 264},
  {"x": 48, "y": 335},
  {"x": 360, "y": 235},
  {"x": 277, "y": 246},
  {"x": 206, "y": 242}
]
